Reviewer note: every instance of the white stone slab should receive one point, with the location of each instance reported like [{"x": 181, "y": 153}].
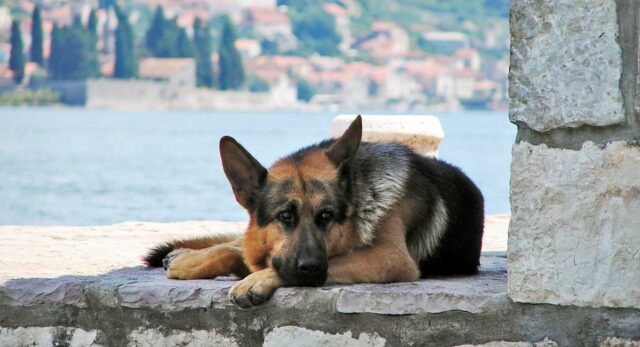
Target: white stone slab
[
  {"x": 292, "y": 336},
  {"x": 193, "y": 338},
  {"x": 48, "y": 337},
  {"x": 422, "y": 133},
  {"x": 565, "y": 64},
  {"x": 574, "y": 237}
]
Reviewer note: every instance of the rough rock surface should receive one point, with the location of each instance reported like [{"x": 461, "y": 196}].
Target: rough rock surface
[
  {"x": 565, "y": 64},
  {"x": 138, "y": 287},
  {"x": 292, "y": 336},
  {"x": 544, "y": 343},
  {"x": 574, "y": 237},
  {"x": 48, "y": 336},
  {"x": 618, "y": 342},
  {"x": 193, "y": 338}
]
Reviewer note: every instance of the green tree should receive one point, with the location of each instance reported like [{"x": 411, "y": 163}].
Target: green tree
[
  {"x": 155, "y": 31},
  {"x": 92, "y": 23},
  {"x": 305, "y": 90},
  {"x": 55, "y": 53},
  {"x": 202, "y": 42},
  {"x": 73, "y": 54},
  {"x": 126, "y": 65},
  {"x": 17, "y": 59},
  {"x": 77, "y": 22},
  {"x": 36, "y": 37},
  {"x": 184, "y": 46},
  {"x": 92, "y": 54},
  {"x": 165, "y": 39},
  {"x": 315, "y": 30},
  {"x": 231, "y": 72}
]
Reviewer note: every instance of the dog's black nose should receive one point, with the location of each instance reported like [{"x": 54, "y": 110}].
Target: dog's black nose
[{"x": 309, "y": 265}]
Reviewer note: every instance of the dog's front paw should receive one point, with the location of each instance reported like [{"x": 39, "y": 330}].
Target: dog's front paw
[
  {"x": 255, "y": 289},
  {"x": 172, "y": 255},
  {"x": 182, "y": 264}
]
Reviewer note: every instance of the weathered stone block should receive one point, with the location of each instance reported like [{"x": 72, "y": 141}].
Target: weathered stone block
[
  {"x": 565, "y": 64},
  {"x": 296, "y": 336},
  {"x": 574, "y": 237},
  {"x": 422, "y": 133},
  {"x": 193, "y": 338},
  {"x": 618, "y": 342},
  {"x": 49, "y": 336},
  {"x": 544, "y": 343}
]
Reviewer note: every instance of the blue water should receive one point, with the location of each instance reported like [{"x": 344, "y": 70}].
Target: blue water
[{"x": 91, "y": 167}]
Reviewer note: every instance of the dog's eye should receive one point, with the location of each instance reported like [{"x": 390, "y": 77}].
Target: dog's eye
[
  {"x": 285, "y": 217},
  {"x": 326, "y": 217}
]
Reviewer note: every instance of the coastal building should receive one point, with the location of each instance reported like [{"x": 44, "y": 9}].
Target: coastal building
[
  {"x": 467, "y": 58},
  {"x": 464, "y": 82},
  {"x": 385, "y": 40},
  {"x": 178, "y": 72},
  {"x": 445, "y": 41},
  {"x": 248, "y": 48},
  {"x": 270, "y": 68},
  {"x": 5, "y": 19}
]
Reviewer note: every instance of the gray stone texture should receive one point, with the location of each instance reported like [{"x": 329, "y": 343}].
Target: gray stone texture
[
  {"x": 139, "y": 287},
  {"x": 48, "y": 336},
  {"x": 544, "y": 343},
  {"x": 566, "y": 64},
  {"x": 574, "y": 237},
  {"x": 292, "y": 336}
]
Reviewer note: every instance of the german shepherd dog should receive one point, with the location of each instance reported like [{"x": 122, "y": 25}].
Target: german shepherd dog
[{"x": 340, "y": 211}]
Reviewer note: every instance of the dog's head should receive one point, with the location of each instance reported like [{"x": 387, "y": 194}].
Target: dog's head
[{"x": 299, "y": 209}]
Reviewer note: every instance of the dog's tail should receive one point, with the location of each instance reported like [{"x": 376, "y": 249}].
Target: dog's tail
[{"x": 156, "y": 254}]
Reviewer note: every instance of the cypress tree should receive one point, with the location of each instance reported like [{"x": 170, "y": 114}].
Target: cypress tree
[
  {"x": 73, "y": 54},
  {"x": 92, "y": 23},
  {"x": 126, "y": 65},
  {"x": 168, "y": 42},
  {"x": 17, "y": 58},
  {"x": 54, "y": 51},
  {"x": 92, "y": 54},
  {"x": 77, "y": 22},
  {"x": 155, "y": 31},
  {"x": 184, "y": 46},
  {"x": 230, "y": 64},
  {"x": 202, "y": 43},
  {"x": 36, "y": 37}
]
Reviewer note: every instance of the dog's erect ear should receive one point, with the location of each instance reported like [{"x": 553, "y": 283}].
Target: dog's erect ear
[
  {"x": 346, "y": 146},
  {"x": 243, "y": 171}
]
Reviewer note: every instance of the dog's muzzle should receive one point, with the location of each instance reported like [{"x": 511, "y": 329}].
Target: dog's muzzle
[{"x": 302, "y": 271}]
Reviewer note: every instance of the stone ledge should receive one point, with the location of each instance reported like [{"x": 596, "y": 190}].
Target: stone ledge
[
  {"x": 80, "y": 286},
  {"x": 138, "y": 287}
]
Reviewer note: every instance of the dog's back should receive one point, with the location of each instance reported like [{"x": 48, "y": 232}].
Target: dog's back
[{"x": 445, "y": 225}]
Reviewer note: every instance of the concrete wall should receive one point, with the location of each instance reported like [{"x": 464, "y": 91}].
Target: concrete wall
[
  {"x": 154, "y": 95},
  {"x": 71, "y": 92},
  {"x": 574, "y": 236},
  {"x": 151, "y": 95}
]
